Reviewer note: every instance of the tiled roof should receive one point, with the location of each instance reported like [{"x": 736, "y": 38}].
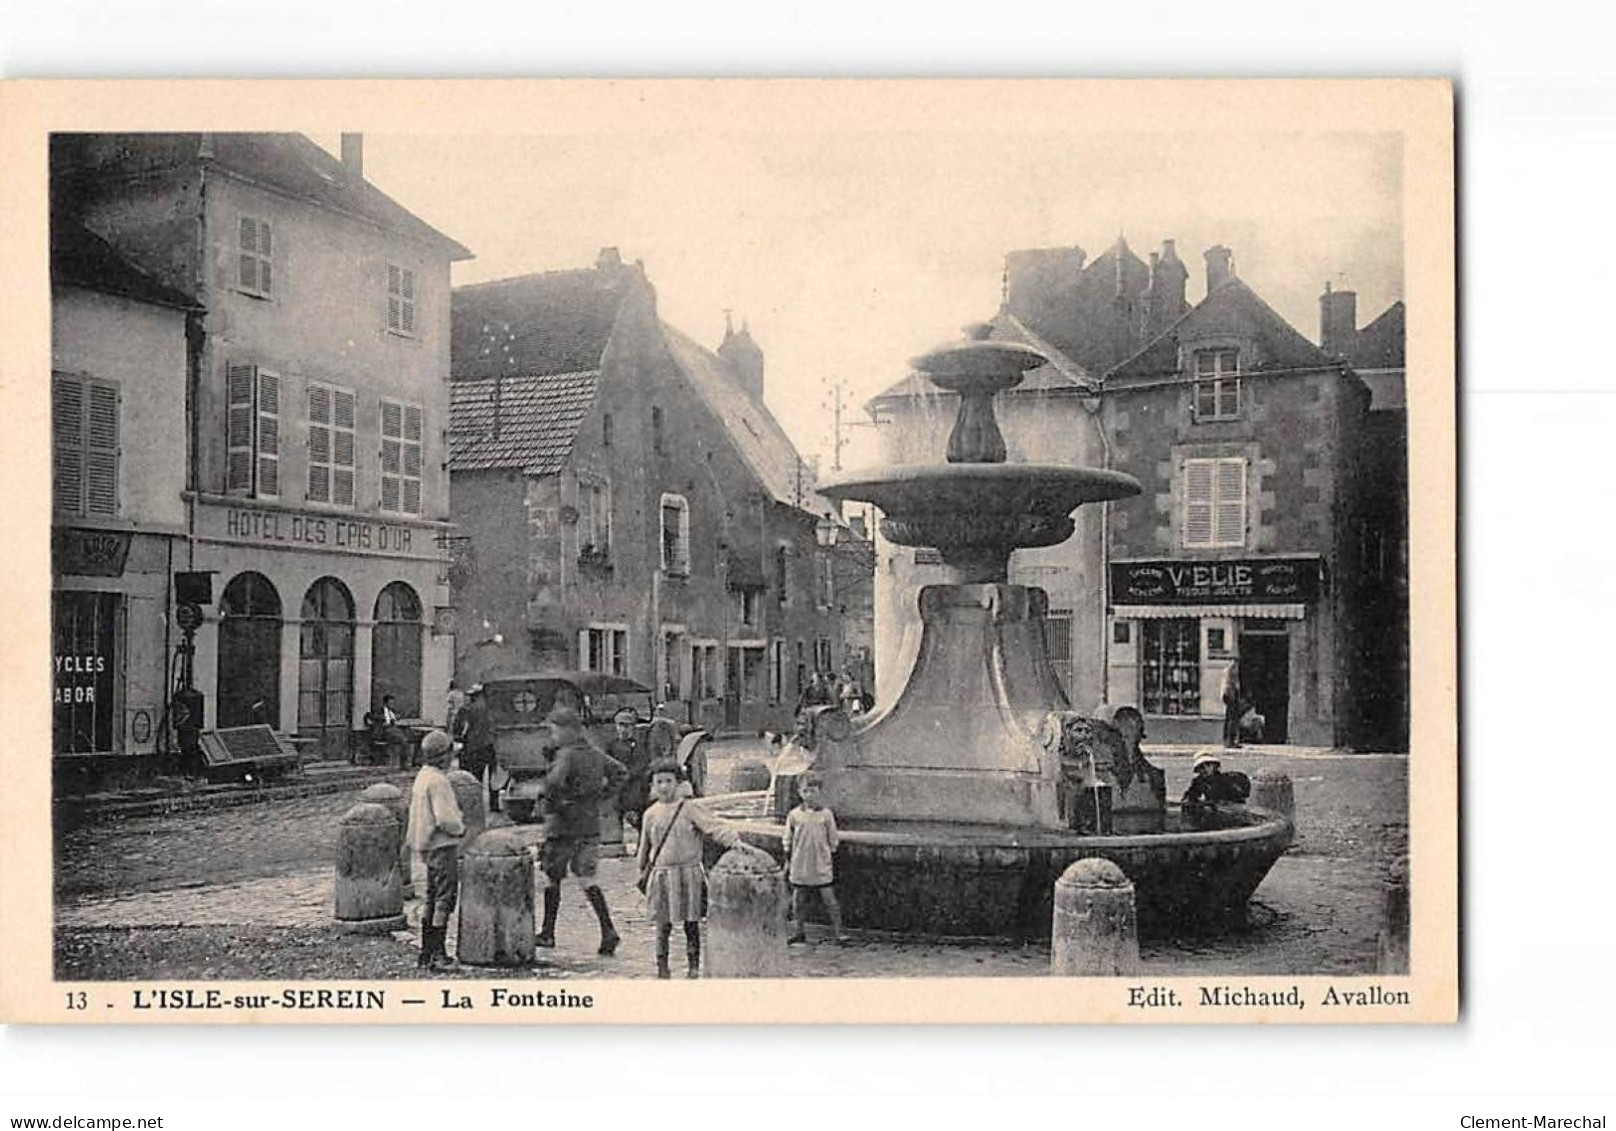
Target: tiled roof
[
  {"x": 1379, "y": 345},
  {"x": 286, "y": 161},
  {"x": 1234, "y": 309},
  {"x": 555, "y": 322},
  {"x": 537, "y": 417},
  {"x": 764, "y": 445},
  {"x": 81, "y": 258}
]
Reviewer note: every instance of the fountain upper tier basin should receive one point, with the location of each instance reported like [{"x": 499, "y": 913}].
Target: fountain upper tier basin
[{"x": 975, "y": 514}]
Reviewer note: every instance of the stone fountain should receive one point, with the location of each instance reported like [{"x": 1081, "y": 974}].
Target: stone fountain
[{"x": 963, "y": 800}]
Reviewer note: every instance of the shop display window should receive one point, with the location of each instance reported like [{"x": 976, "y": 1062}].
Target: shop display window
[{"x": 1171, "y": 667}]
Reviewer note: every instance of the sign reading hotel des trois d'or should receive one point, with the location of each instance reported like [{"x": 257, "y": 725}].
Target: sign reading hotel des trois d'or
[
  {"x": 1248, "y": 580},
  {"x": 336, "y": 533}
]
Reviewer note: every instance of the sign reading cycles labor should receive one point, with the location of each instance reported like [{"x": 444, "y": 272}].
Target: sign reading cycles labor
[
  {"x": 1247, "y": 580},
  {"x": 316, "y": 531}
]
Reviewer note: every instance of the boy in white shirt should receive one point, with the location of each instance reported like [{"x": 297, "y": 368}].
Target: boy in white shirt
[{"x": 435, "y": 829}]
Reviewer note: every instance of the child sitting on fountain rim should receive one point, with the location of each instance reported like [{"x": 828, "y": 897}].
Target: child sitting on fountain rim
[
  {"x": 669, "y": 857},
  {"x": 810, "y": 847}
]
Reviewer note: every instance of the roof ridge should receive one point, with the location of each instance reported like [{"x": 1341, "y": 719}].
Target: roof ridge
[{"x": 526, "y": 277}]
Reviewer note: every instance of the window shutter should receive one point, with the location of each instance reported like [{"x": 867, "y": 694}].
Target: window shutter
[
  {"x": 67, "y": 437},
  {"x": 101, "y": 495},
  {"x": 239, "y": 385},
  {"x": 248, "y": 273},
  {"x": 395, "y": 317},
  {"x": 1198, "y": 502},
  {"x": 265, "y": 258},
  {"x": 269, "y": 434},
  {"x": 342, "y": 471},
  {"x": 1231, "y": 502},
  {"x": 407, "y": 306},
  {"x": 319, "y": 444}
]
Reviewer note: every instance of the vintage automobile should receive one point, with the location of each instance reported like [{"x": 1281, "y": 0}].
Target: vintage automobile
[{"x": 518, "y": 706}]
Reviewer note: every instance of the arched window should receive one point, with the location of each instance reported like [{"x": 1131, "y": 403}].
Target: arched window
[
  {"x": 249, "y": 682},
  {"x": 325, "y": 666},
  {"x": 395, "y": 667}
]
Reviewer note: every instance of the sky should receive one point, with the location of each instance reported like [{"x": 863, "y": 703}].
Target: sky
[{"x": 848, "y": 253}]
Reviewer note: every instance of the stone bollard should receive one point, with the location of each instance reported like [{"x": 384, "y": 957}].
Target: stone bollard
[
  {"x": 1095, "y": 931},
  {"x": 746, "y": 917},
  {"x": 1271, "y": 789},
  {"x": 1392, "y": 955},
  {"x": 749, "y": 777},
  {"x": 469, "y": 792},
  {"x": 496, "y": 901},
  {"x": 369, "y": 899},
  {"x": 392, "y": 798}
]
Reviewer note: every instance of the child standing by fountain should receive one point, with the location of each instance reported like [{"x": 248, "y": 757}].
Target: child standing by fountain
[
  {"x": 671, "y": 834},
  {"x": 810, "y": 846}
]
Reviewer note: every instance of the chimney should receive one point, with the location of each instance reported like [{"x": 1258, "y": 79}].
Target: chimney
[
  {"x": 609, "y": 259},
  {"x": 353, "y": 155},
  {"x": 1338, "y": 321},
  {"x": 1219, "y": 267},
  {"x": 744, "y": 357}
]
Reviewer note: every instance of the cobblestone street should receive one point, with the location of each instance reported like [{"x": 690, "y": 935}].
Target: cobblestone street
[{"x": 246, "y": 892}]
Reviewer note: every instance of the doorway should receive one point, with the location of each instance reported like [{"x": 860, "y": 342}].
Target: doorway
[
  {"x": 325, "y": 667},
  {"x": 395, "y": 664},
  {"x": 249, "y": 684},
  {"x": 1265, "y": 677}
]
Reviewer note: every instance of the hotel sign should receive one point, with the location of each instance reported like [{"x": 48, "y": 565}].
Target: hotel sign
[
  {"x": 1245, "y": 581},
  {"x": 331, "y": 533}
]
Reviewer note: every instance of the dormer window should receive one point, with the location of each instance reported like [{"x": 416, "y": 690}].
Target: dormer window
[{"x": 1217, "y": 384}]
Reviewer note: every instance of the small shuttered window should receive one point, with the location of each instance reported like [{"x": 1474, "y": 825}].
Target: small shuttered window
[
  {"x": 84, "y": 434},
  {"x": 252, "y": 431},
  {"x": 402, "y": 429},
  {"x": 255, "y": 260},
  {"x": 400, "y": 299},
  {"x": 1214, "y": 503},
  {"x": 331, "y": 445}
]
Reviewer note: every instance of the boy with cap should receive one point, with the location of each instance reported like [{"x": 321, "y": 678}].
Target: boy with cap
[
  {"x": 435, "y": 828},
  {"x": 1210, "y": 785},
  {"x": 580, "y": 777}
]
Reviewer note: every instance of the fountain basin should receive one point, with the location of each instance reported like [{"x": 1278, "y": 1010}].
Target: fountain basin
[{"x": 993, "y": 881}]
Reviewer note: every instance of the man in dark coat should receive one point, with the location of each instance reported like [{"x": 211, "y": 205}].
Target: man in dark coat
[
  {"x": 634, "y": 752},
  {"x": 475, "y": 730},
  {"x": 581, "y": 776}
]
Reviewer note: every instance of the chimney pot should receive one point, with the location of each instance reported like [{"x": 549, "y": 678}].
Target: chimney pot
[
  {"x": 353, "y": 155},
  {"x": 1219, "y": 268}
]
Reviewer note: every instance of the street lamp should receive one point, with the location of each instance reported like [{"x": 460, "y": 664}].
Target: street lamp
[{"x": 827, "y": 530}]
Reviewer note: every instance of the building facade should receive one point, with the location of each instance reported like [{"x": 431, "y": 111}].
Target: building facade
[
  {"x": 1243, "y": 551},
  {"x": 118, "y": 376},
  {"x": 312, "y": 420},
  {"x": 626, "y": 503}
]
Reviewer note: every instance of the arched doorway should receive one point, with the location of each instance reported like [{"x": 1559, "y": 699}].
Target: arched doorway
[
  {"x": 395, "y": 655},
  {"x": 325, "y": 667},
  {"x": 249, "y": 684}
]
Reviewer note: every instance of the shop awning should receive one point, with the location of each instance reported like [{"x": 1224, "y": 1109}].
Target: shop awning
[{"x": 1166, "y": 612}]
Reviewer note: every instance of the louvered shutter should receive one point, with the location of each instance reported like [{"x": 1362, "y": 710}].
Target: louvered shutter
[
  {"x": 101, "y": 458},
  {"x": 319, "y": 444},
  {"x": 407, "y": 306},
  {"x": 67, "y": 441},
  {"x": 342, "y": 470},
  {"x": 265, "y": 258},
  {"x": 1231, "y": 503},
  {"x": 247, "y": 276},
  {"x": 412, "y": 460},
  {"x": 395, "y": 314},
  {"x": 1198, "y": 502},
  {"x": 269, "y": 434},
  {"x": 240, "y": 383},
  {"x": 392, "y": 454}
]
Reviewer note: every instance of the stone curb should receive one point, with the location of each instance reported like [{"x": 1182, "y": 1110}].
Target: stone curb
[{"x": 84, "y": 811}]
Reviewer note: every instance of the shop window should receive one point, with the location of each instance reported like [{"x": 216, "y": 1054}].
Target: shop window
[
  {"x": 675, "y": 534},
  {"x": 252, "y": 431},
  {"x": 255, "y": 270},
  {"x": 1171, "y": 667},
  {"x": 402, "y": 429},
  {"x": 400, "y": 300},
  {"x": 1214, "y": 503},
  {"x": 85, "y": 664},
  {"x": 331, "y": 445},
  {"x": 84, "y": 445},
  {"x": 1217, "y": 386}
]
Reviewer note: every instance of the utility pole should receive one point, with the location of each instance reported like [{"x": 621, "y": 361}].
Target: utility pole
[{"x": 836, "y": 463}]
